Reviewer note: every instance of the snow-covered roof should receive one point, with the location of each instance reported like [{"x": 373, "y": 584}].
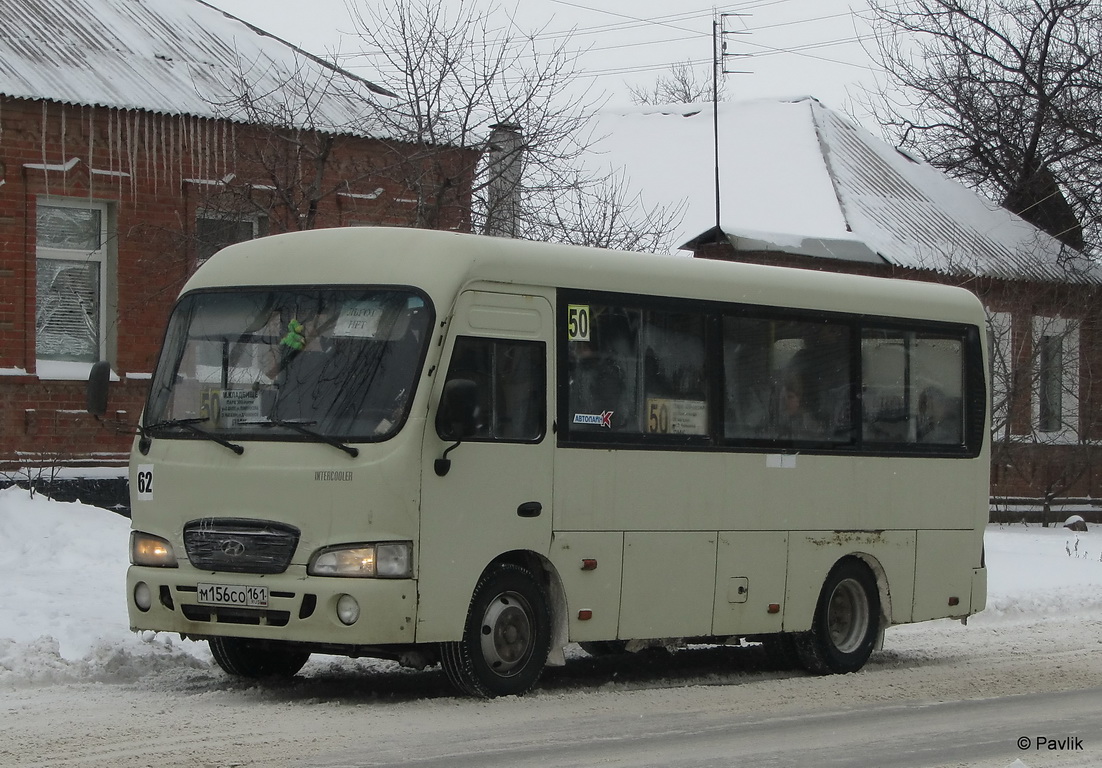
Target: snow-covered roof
[
  {"x": 174, "y": 57},
  {"x": 797, "y": 177}
]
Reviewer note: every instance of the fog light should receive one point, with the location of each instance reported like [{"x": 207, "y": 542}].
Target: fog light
[
  {"x": 348, "y": 610},
  {"x": 143, "y": 598}
]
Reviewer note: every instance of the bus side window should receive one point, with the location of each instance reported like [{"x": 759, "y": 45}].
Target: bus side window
[
  {"x": 912, "y": 387},
  {"x": 787, "y": 380},
  {"x": 510, "y": 383},
  {"x": 603, "y": 373},
  {"x": 674, "y": 390}
]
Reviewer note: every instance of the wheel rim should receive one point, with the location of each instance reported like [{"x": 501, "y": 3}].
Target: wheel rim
[
  {"x": 848, "y": 616},
  {"x": 506, "y": 633}
]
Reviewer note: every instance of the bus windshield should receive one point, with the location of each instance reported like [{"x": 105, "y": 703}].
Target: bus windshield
[{"x": 290, "y": 363}]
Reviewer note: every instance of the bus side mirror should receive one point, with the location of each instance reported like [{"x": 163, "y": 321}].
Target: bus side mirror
[
  {"x": 456, "y": 418},
  {"x": 96, "y": 391}
]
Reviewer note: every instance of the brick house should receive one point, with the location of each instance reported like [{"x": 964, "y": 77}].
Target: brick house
[
  {"x": 136, "y": 138},
  {"x": 802, "y": 186}
]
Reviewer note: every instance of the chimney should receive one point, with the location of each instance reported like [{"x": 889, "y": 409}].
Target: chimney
[{"x": 504, "y": 165}]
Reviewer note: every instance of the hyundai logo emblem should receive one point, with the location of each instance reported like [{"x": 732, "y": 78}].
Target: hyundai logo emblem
[{"x": 232, "y": 547}]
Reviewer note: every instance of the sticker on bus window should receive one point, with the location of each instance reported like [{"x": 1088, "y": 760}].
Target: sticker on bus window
[
  {"x": 577, "y": 322},
  {"x": 230, "y": 407},
  {"x": 603, "y": 419},
  {"x": 359, "y": 319},
  {"x": 677, "y": 417}
]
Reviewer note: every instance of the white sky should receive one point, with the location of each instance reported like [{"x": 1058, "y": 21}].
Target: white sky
[{"x": 795, "y": 47}]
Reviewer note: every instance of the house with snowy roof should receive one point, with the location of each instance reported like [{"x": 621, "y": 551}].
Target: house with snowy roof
[
  {"x": 801, "y": 185},
  {"x": 137, "y": 137}
]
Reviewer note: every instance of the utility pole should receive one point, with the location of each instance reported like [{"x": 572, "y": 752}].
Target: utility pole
[{"x": 719, "y": 69}]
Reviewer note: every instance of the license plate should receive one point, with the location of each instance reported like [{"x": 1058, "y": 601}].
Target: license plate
[{"x": 229, "y": 594}]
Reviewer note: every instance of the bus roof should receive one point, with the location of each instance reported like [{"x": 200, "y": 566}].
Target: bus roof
[{"x": 442, "y": 263}]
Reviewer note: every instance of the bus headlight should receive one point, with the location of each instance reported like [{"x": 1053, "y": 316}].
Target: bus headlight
[
  {"x": 150, "y": 550},
  {"x": 392, "y": 560}
]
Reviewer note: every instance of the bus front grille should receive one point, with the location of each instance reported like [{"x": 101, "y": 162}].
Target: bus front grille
[
  {"x": 237, "y": 545},
  {"x": 223, "y": 615}
]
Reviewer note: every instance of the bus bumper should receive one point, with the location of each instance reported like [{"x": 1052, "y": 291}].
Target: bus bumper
[
  {"x": 979, "y": 589},
  {"x": 299, "y": 608}
]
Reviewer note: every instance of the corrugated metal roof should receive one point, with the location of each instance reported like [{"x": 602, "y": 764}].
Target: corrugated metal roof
[
  {"x": 175, "y": 57},
  {"x": 915, "y": 216},
  {"x": 797, "y": 177}
]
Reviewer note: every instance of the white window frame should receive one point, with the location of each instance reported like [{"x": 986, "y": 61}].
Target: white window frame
[
  {"x": 1068, "y": 332},
  {"x": 252, "y": 219},
  {"x": 1000, "y": 327},
  {"x": 61, "y": 369}
]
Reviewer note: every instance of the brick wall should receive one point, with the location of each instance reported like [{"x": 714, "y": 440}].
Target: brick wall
[{"x": 155, "y": 172}]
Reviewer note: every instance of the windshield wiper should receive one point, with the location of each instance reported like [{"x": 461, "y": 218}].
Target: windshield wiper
[
  {"x": 189, "y": 425},
  {"x": 301, "y": 428}
]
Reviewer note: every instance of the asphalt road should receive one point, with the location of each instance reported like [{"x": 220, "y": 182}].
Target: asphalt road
[{"x": 1048, "y": 729}]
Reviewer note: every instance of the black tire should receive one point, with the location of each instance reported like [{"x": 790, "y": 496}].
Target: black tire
[
  {"x": 246, "y": 657},
  {"x": 600, "y": 648},
  {"x": 847, "y": 622},
  {"x": 506, "y": 637}
]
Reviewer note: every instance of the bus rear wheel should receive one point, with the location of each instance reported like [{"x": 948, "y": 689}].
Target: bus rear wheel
[
  {"x": 247, "y": 657},
  {"x": 847, "y": 622},
  {"x": 506, "y": 638}
]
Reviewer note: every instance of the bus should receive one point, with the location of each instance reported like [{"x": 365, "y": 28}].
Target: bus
[{"x": 442, "y": 448}]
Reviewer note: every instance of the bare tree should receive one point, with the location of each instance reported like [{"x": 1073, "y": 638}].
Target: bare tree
[
  {"x": 466, "y": 79},
  {"x": 606, "y": 213},
  {"x": 299, "y": 145},
  {"x": 457, "y": 74},
  {"x": 478, "y": 127},
  {"x": 682, "y": 84},
  {"x": 1005, "y": 95}
]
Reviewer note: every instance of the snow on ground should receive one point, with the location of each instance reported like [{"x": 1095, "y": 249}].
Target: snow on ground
[{"x": 63, "y": 612}]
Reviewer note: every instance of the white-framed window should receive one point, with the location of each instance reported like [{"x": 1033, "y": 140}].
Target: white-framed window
[
  {"x": 71, "y": 248},
  {"x": 1055, "y": 391},
  {"x": 214, "y": 230},
  {"x": 1000, "y": 343}
]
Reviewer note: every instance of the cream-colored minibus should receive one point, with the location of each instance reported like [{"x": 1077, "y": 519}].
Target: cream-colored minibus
[{"x": 443, "y": 448}]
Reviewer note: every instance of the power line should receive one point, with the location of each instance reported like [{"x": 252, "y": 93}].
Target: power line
[{"x": 638, "y": 20}]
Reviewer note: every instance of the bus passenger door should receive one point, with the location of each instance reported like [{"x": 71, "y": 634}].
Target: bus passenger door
[{"x": 492, "y": 396}]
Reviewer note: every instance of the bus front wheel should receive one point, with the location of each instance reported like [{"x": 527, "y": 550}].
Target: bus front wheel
[
  {"x": 246, "y": 657},
  {"x": 506, "y": 638},
  {"x": 847, "y": 622}
]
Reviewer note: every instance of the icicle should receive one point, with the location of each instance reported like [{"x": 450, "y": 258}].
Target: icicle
[
  {"x": 64, "y": 156},
  {"x": 189, "y": 141},
  {"x": 153, "y": 146},
  {"x": 90, "y": 111},
  {"x": 147, "y": 149},
  {"x": 110, "y": 140},
  {"x": 181, "y": 123},
  {"x": 45, "y": 164},
  {"x": 174, "y": 145},
  {"x": 117, "y": 113},
  {"x": 162, "y": 137},
  {"x": 201, "y": 148},
  {"x": 128, "y": 144},
  {"x": 134, "y": 149}
]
